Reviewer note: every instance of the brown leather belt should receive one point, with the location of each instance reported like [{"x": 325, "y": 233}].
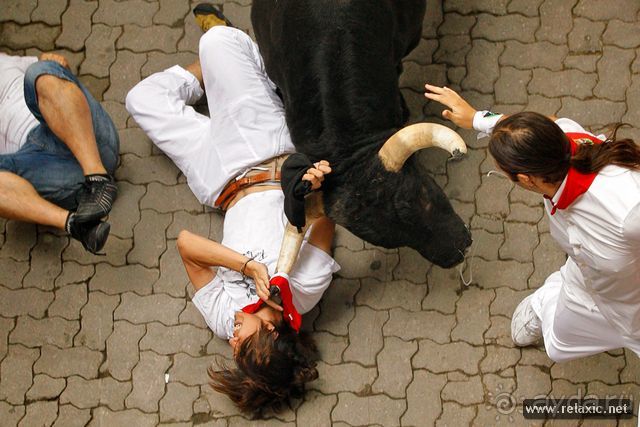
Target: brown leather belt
[{"x": 253, "y": 177}]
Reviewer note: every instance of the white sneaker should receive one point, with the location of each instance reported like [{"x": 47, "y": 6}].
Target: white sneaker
[{"x": 526, "y": 327}]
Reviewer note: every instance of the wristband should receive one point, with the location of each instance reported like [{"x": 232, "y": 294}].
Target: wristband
[{"x": 484, "y": 122}]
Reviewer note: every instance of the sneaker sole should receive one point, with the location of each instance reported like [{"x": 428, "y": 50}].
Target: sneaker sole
[
  {"x": 101, "y": 235},
  {"x": 516, "y": 313}
]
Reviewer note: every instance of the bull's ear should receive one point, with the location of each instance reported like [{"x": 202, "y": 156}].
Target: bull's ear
[{"x": 400, "y": 146}]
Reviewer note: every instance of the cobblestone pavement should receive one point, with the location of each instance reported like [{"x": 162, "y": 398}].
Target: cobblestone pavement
[{"x": 116, "y": 341}]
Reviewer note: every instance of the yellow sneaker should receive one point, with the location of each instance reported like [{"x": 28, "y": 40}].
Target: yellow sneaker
[{"x": 209, "y": 16}]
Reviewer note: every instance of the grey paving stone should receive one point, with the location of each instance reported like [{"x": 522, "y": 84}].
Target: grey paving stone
[
  {"x": 525, "y": 7},
  {"x": 535, "y": 356},
  {"x": 385, "y": 295},
  {"x": 592, "y": 112},
  {"x": 488, "y": 223},
  {"x": 394, "y": 367},
  {"x": 12, "y": 272},
  {"x": 433, "y": 18},
  {"x": 412, "y": 266},
  {"x": 365, "y": 336},
  {"x": 330, "y": 347},
  {"x": 171, "y": 12},
  {"x": 70, "y": 416},
  {"x": 97, "y": 320},
  {"x": 463, "y": 182},
  {"x": 45, "y": 262},
  {"x": 465, "y": 392},
  {"x": 150, "y": 308},
  {"x": 115, "y": 250},
  {"x": 344, "y": 377},
  {"x": 39, "y": 413},
  {"x": 316, "y": 409},
  {"x": 453, "y": 49},
  {"x": 191, "y": 371},
  {"x": 337, "y": 307},
  {"x": 509, "y": 27},
  {"x": 86, "y": 394},
  {"x": 11, "y": 414},
  {"x": 631, "y": 371},
  {"x": 20, "y": 237},
  {"x": 33, "y": 302},
  {"x": 174, "y": 339},
  {"x": 45, "y": 388},
  {"x": 18, "y": 11},
  {"x": 423, "y": 324},
  {"x": 605, "y": 10},
  {"x": 96, "y": 86},
  {"x": 421, "y": 410},
  {"x": 614, "y": 75},
  {"x": 149, "y": 238},
  {"x": 191, "y": 38},
  {"x": 599, "y": 367},
  {"x": 369, "y": 263},
  {"x": 440, "y": 358},
  {"x": 59, "y": 363},
  {"x": 76, "y": 24},
  {"x": 357, "y": 410},
  {"x": 68, "y": 302},
  {"x": 117, "y": 280},
  {"x": 423, "y": 54},
  {"x": 116, "y": 13},
  {"x": 485, "y": 245},
  {"x": 456, "y": 24},
  {"x": 473, "y": 316},
  {"x": 622, "y": 34},
  {"x": 491, "y": 197},
  {"x": 443, "y": 286},
  {"x": 586, "y": 36},
  {"x": 494, "y": 274},
  {"x": 126, "y": 211},
  {"x": 124, "y": 72},
  {"x": 221, "y": 406},
  {"x": 50, "y": 12},
  {"x": 507, "y": 300},
  {"x": 499, "y": 358},
  {"x": 15, "y": 36},
  {"x": 520, "y": 241},
  {"x": 173, "y": 278},
  {"x": 496, "y": 7},
  {"x": 132, "y": 417},
  {"x": 511, "y": 87},
  {"x": 563, "y": 83},
  {"x": 177, "y": 403},
  {"x": 174, "y": 198},
  {"x": 118, "y": 114},
  {"x": 585, "y": 63},
  {"x": 547, "y": 258},
  {"x": 196, "y": 223},
  {"x": 37, "y": 333},
  {"x": 72, "y": 272},
  {"x": 531, "y": 381},
  {"x": 6, "y": 326},
  {"x": 101, "y": 52},
  {"x": 482, "y": 66},
  {"x": 148, "y": 382},
  {"x": 239, "y": 14},
  {"x": 122, "y": 350},
  {"x": 17, "y": 373},
  {"x": 556, "y": 20},
  {"x": 146, "y": 170},
  {"x": 454, "y": 414},
  {"x": 142, "y": 39},
  {"x": 633, "y": 100}
]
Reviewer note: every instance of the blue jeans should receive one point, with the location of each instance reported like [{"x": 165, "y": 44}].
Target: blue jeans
[{"x": 44, "y": 160}]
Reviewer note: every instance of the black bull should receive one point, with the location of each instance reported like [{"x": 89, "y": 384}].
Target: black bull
[{"x": 337, "y": 65}]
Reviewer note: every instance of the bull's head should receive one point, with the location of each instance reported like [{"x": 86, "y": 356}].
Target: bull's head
[{"x": 391, "y": 201}]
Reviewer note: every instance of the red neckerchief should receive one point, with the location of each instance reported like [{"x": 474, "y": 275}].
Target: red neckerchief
[
  {"x": 577, "y": 183},
  {"x": 289, "y": 313}
]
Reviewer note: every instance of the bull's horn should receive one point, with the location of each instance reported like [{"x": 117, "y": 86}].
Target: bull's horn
[
  {"x": 292, "y": 240},
  {"x": 412, "y": 138}
]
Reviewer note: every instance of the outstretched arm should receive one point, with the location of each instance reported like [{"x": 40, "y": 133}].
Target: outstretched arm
[{"x": 200, "y": 255}]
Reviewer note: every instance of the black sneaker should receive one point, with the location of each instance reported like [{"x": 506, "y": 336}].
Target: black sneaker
[
  {"x": 93, "y": 235},
  {"x": 209, "y": 16},
  {"x": 96, "y": 198}
]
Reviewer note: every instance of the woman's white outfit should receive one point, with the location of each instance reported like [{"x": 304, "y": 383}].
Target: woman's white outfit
[{"x": 247, "y": 127}]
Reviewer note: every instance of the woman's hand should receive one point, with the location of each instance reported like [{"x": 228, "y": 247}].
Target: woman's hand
[
  {"x": 315, "y": 175},
  {"x": 460, "y": 112},
  {"x": 55, "y": 58},
  {"x": 260, "y": 275}
]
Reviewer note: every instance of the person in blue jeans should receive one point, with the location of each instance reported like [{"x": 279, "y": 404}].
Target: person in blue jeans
[{"x": 58, "y": 149}]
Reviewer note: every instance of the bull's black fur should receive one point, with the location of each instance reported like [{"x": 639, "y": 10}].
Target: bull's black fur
[{"x": 337, "y": 65}]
